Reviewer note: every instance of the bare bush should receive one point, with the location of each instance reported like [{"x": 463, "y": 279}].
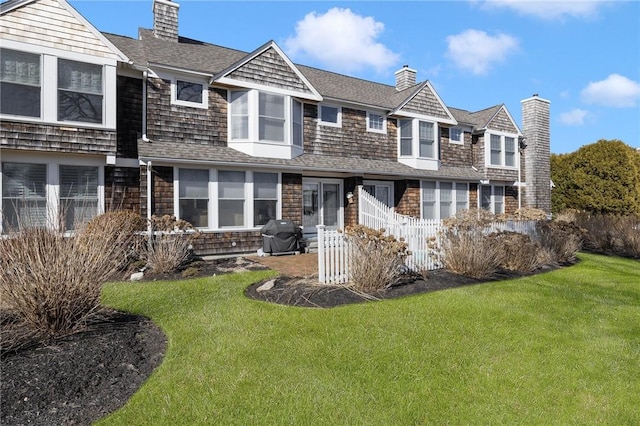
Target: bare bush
[
  {"x": 52, "y": 283},
  {"x": 611, "y": 234},
  {"x": 376, "y": 260},
  {"x": 469, "y": 252},
  {"x": 562, "y": 240},
  {"x": 519, "y": 253},
  {"x": 627, "y": 229},
  {"x": 169, "y": 245}
]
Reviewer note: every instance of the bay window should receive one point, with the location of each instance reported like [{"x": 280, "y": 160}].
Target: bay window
[
  {"x": 20, "y": 87},
  {"x": 271, "y": 118},
  {"x": 418, "y": 139},
  {"x": 194, "y": 197},
  {"x": 426, "y": 140},
  {"x": 79, "y": 91},
  {"x": 406, "y": 137},
  {"x": 239, "y": 115}
]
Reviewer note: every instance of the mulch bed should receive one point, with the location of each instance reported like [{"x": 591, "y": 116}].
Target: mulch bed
[{"x": 84, "y": 377}]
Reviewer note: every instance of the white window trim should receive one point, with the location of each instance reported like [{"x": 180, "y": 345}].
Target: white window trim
[
  {"x": 52, "y": 188},
  {"x": 384, "y": 123},
  {"x": 386, "y": 183},
  {"x": 454, "y": 201},
  {"x": 453, "y": 141},
  {"x": 213, "y": 205},
  {"x": 415, "y": 139},
  {"x": 205, "y": 93},
  {"x": 487, "y": 150},
  {"x": 492, "y": 208},
  {"x": 338, "y": 122},
  {"x": 49, "y": 86}
]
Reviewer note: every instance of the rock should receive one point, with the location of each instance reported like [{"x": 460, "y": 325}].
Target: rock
[
  {"x": 266, "y": 286},
  {"x": 137, "y": 276}
]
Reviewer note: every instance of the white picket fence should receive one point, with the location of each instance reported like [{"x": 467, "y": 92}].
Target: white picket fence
[{"x": 333, "y": 250}]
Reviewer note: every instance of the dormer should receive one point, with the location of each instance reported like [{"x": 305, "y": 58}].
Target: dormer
[
  {"x": 420, "y": 116},
  {"x": 265, "y": 103}
]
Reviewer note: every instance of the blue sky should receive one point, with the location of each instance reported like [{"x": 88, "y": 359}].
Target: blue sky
[{"x": 583, "y": 56}]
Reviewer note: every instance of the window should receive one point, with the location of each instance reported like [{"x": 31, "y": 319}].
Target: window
[
  {"x": 194, "y": 197},
  {"x": 441, "y": 200},
  {"x": 239, "y": 115},
  {"x": 382, "y": 191},
  {"x": 78, "y": 194},
  {"x": 189, "y": 93},
  {"x": 265, "y": 197},
  {"x": 330, "y": 115},
  {"x": 426, "y": 140},
  {"x": 79, "y": 92},
  {"x": 417, "y": 136},
  {"x": 297, "y": 123},
  {"x": 376, "y": 123},
  {"x": 265, "y": 117},
  {"x": 271, "y": 121},
  {"x": 20, "y": 89},
  {"x": 231, "y": 197},
  {"x": 492, "y": 198},
  {"x": 406, "y": 137},
  {"x": 502, "y": 151},
  {"x": 24, "y": 195},
  {"x": 456, "y": 135}
]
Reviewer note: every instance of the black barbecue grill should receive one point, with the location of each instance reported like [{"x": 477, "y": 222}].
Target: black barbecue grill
[{"x": 281, "y": 237}]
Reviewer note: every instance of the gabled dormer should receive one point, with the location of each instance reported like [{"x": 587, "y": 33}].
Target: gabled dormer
[
  {"x": 501, "y": 137},
  {"x": 420, "y": 115},
  {"x": 56, "y": 68},
  {"x": 265, "y": 95}
]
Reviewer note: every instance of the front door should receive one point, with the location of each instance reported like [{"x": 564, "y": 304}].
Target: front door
[{"x": 321, "y": 204}]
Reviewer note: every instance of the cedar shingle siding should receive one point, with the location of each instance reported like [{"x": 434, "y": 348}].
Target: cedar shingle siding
[
  {"x": 129, "y": 118},
  {"x": 426, "y": 103},
  {"x": 53, "y": 138}
]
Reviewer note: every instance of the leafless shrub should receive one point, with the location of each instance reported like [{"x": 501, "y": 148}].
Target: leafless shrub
[
  {"x": 169, "y": 244},
  {"x": 52, "y": 283},
  {"x": 562, "y": 240},
  {"x": 376, "y": 260},
  {"x": 469, "y": 252},
  {"x": 627, "y": 229},
  {"x": 611, "y": 234},
  {"x": 519, "y": 253}
]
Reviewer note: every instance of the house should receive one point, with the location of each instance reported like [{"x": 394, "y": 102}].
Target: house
[{"x": 227, "y": 139}]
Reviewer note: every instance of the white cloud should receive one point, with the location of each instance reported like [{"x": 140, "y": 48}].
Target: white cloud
[
  {"x": 575, "y": 117},
  {"x": 477, "y": 51},
  {"x": 614, "y": 91},
  {"x": 549, "y": 9},
  {"x": 341, "y": 40}
]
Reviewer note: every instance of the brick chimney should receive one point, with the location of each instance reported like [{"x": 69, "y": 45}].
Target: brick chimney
[
  {"x": 165, "y": 20},
  {"x": 405, "y": 78},
  {"x": 536, "y": 131}
]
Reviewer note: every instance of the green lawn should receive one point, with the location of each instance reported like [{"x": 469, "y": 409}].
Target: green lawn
[{"x": 557, "y": 348}]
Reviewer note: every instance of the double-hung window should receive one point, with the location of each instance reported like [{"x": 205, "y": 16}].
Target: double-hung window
[
  {"x": 271, "y": 118},
  {"x": 231, "y": 198},
  {"x": 492, "y": 198},
  {"x": 417, "y": 136},
  {"x": 194, "y": 197},
  {"x": 24, "y": 201},
  {"x": 80, "y": 91},
  {"x": 376, "y": 122},
  {"x": 427, "y": 140},
  {"x": 330, "y": 115},
  {"x": 502, "y": 151},
  {"x": 265, "y": 197},
  {"x": 406, "y": 137},
  {"x": 78, "y": 194},
  {"x": 239, "y": 115},
  {"x": 20, "y": 87}
]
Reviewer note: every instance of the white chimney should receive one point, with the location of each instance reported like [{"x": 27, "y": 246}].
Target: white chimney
[
  {"x": 165, "y": 20},
  {"x": 405, "y": 78}
]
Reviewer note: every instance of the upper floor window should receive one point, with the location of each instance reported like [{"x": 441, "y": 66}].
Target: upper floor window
[
  {"x": 265, "y": 117},
  {"x": 417, "y": 136},
  {"x": 20, "y": 88},
  {"x": 189, "y": 93},
  {"x": 456, "y": 135},
  {"x": 376, "y": 123},
  {"x": 502, "y": 150},
  {"x": 330, "y": 115},
  {"x": 79, "y": 91}
]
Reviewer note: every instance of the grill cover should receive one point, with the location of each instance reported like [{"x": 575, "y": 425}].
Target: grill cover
[{"x": 280, "y": 236}]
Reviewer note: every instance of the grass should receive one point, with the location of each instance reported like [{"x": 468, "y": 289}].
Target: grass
[{"x": 557, "y": 348}]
